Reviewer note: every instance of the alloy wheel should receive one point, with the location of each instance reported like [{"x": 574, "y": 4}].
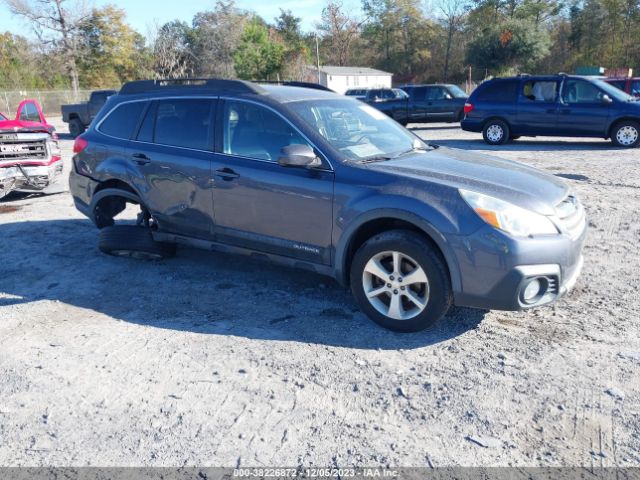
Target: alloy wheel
[{"x": 396, "y": 285}]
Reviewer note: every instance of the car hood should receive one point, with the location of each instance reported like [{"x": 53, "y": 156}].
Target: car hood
[
  {"x": 15, "y": 126},
  {"x": 513, "y": 182}
]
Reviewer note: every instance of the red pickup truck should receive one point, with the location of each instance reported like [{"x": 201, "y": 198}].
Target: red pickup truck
[{"x": 30, "y": 157}]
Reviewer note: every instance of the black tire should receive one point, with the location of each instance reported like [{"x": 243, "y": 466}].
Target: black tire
[
  {"x": 496, "y": 132},
  {"x": 133, "y": 241},
  {"x": 76, "y": 127},
  {"x": 626, "y": 134},
  {"x": 426, "y": 257}
]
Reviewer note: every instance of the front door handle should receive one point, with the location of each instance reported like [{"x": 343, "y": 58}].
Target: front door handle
[
  {"x": 141, "y": 158},
  {"x": 226, "y": 173}
]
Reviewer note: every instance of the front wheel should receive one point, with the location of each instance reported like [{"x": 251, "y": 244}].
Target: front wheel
[
  {"x": 400, "y": 281},
  {"x": 495, "y": 132},
  {"x": 626, "y": 134}
]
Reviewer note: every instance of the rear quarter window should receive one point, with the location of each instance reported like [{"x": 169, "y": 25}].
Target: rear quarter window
[
  {"x": 504, "y": 91},
  {"x": 123, "y": 120}
]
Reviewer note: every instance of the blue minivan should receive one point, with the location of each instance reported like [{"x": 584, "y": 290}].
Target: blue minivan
[{"x": 504, "y": 109}]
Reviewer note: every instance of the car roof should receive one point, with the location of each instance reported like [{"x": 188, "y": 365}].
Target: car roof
[
  {"x": 280, "y": 93},
  {"x": 288, "y": 94}
]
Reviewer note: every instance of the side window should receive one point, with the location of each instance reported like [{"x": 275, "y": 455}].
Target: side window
[
  {"x": 255, "y": 132},
  {"x": 419, "y": 94},
  {"x": 437, "y": 93},
  {"x": 148, "y": 125},
  {"x": 388, "y": 94},
  {"x": 579, "y": 91},
  {"x": 540, "y": 91},
  {"x": 183, "y": 123},
  {"x": 621, "y": 84},
  {"x": 498, "y": 92},
  {"x": 99, "y": 98},
  {"x": 635, "y": 88},
  {"x": 122, "y": 121}
]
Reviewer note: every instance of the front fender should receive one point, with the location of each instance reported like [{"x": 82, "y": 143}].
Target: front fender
[{"x": 444, "y": 243}]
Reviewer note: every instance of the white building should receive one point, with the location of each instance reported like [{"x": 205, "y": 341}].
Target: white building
[{"x": 340, "y": 79}]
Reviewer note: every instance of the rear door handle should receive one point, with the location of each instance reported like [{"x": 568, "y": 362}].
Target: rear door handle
[
  {"x": 141, "y": 158},
  {"x": 226, "y": 173}
]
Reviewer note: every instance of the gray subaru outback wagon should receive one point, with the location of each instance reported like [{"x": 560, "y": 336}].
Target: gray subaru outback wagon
[{"x": 312, "y": 179}]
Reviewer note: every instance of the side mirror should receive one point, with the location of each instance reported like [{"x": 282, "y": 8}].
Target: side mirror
[
  {"x": 448, "y": 96},
  {"x": 607, "y": 99},
  {"x": 298, "y": 156}
]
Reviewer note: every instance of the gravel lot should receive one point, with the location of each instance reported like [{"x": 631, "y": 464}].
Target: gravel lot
[{"x": 214, "y": 360}]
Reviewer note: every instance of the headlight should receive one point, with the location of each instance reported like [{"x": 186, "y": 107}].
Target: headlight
[{"x": 508, "y": 217}]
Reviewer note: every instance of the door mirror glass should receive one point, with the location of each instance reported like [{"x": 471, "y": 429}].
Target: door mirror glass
[{"x": 298, "y": 156}]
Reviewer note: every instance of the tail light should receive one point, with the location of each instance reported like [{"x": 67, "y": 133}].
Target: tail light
[
  {"x": 467, "y": 108},
  {"x": 79, "y": 145}
]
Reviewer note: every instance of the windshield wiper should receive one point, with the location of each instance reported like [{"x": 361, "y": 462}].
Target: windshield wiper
[{"x": 377, "y": 158}]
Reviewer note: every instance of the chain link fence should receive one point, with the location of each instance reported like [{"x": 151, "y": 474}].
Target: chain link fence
[{"x": 50, "y": 100}]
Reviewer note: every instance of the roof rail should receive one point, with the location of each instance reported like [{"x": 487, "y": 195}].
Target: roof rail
[
  {"x": 295, "y": 83},
  {"x": 524, "y": 75},
  {"x": 144, "y": 86}
]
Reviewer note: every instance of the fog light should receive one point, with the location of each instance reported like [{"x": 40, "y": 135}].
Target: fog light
[{"x": 532, "y": 291}]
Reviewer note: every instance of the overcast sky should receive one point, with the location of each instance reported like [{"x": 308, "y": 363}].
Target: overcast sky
[{"x": 142, "y": 13}]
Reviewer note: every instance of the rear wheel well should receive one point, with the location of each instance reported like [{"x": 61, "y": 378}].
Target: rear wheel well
[
  {"x": 495, "y": 118},
  {"x": 107, "y": 208},
  {"x": 380, "y": 225},
  {"x": 113, "y": 183}
]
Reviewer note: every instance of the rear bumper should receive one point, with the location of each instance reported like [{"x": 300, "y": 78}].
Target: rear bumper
[
  {"x": 82, "y": 189},
  {"x": 497, "y": 269},
  {"x": 471, "y": 125}
]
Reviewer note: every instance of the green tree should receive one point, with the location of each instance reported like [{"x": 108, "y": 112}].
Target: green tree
[
  {"x": 508, "y": 46},
  {"x": 215, "y": 37},
  {"x": 112, "y": 52},
  {"x": 400, "y": 30},
  {"x": 258, "y": 56},
  {"x": 297, "y": 54}
]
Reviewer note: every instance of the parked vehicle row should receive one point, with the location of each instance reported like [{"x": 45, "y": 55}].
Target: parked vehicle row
[
  {"x": 316, "y": 180},
  {"x": 30, "y": 157},
  {"x": 416, "y": 103}
]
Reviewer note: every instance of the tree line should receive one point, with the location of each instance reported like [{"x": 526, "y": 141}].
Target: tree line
[{"x": 77, "y": 46}]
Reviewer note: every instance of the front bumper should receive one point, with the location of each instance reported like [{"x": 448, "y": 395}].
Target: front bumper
[
  {"x": 496, "y": 269},
  {"x": 30, "y": 178}
]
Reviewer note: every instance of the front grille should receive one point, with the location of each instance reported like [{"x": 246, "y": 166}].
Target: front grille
[
  {"x": 571, "y": 215},
  {"x": 20, "y": 149}
]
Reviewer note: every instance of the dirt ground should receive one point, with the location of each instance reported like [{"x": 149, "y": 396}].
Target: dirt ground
[{"x": 214, "y": 360}]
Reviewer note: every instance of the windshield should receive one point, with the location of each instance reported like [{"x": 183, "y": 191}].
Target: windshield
[
  {"x": 2, "y": 117},
  {"x": 358, "y": 131},
  {"x": 612, "y": 91},
  {"x": 457, "y": 92}
]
